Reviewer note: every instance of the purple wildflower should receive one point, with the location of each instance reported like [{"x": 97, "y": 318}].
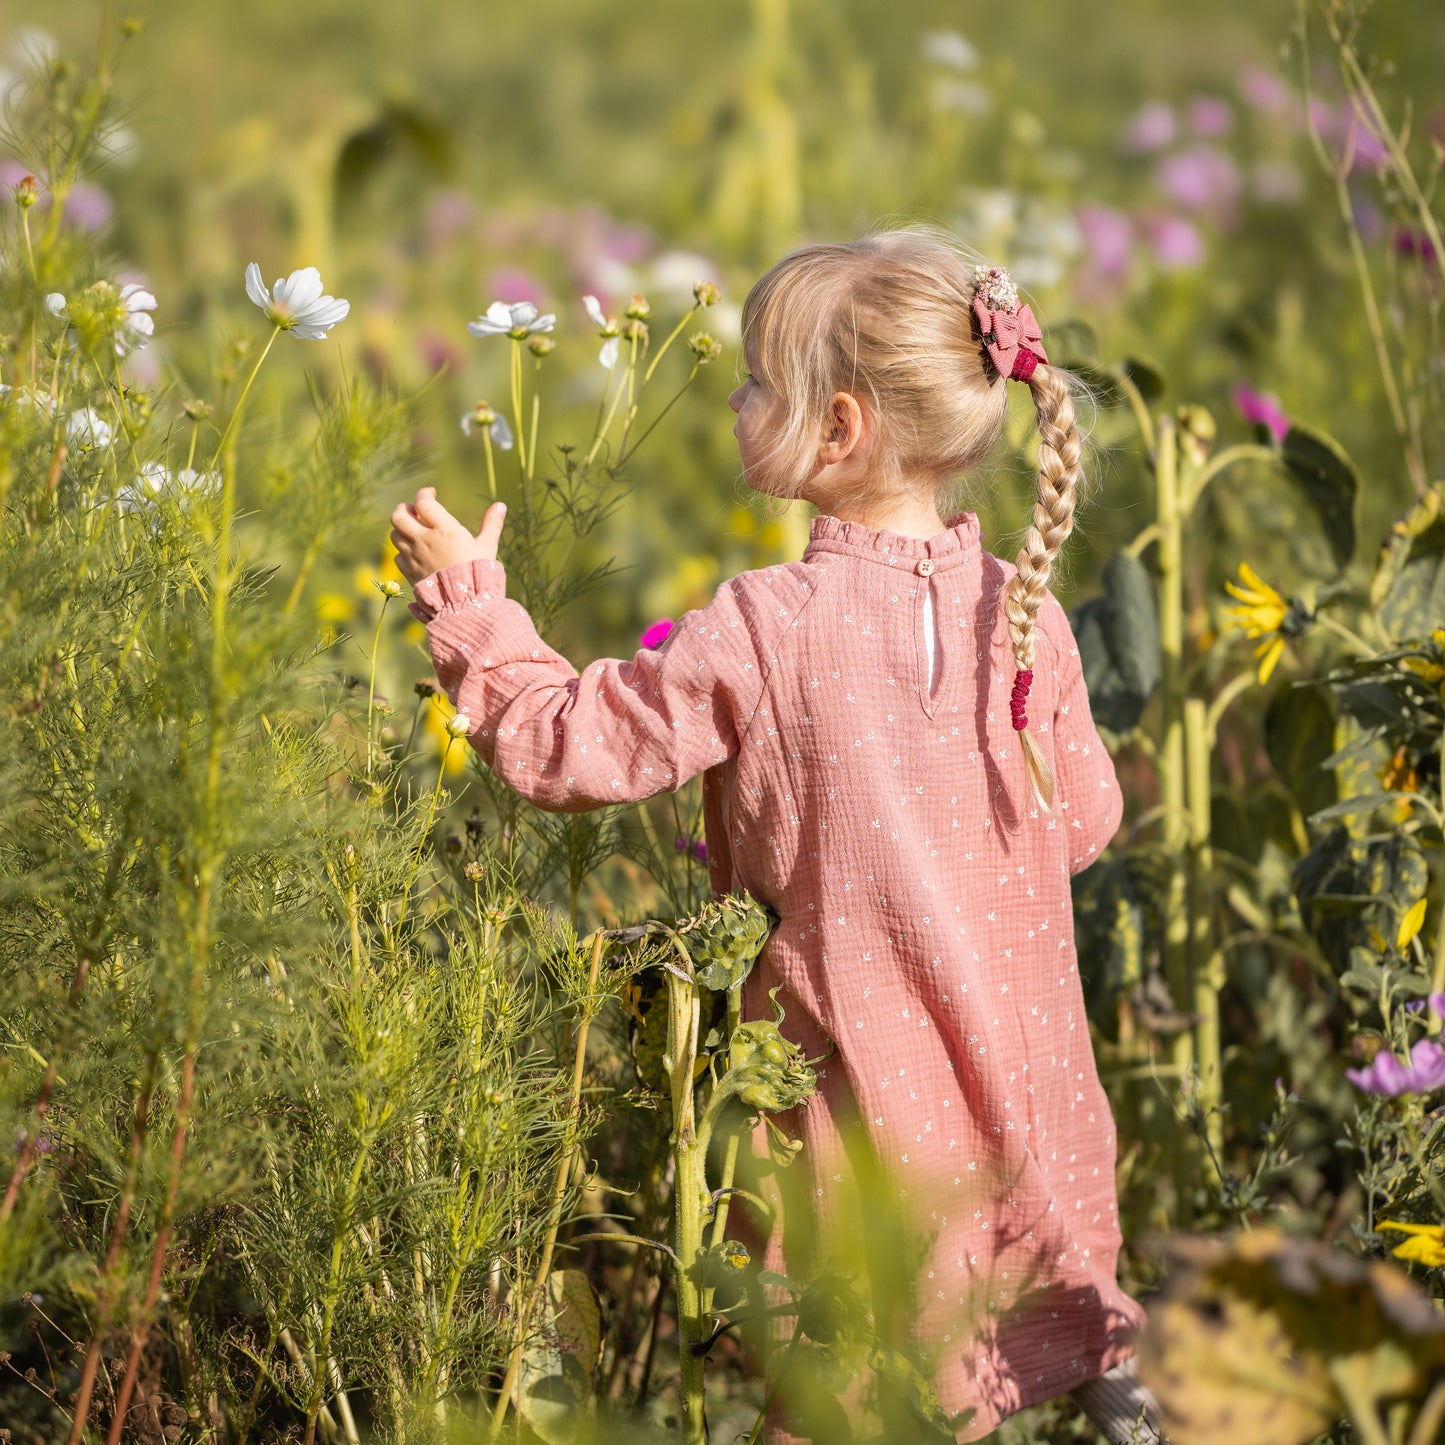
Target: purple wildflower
[
  {"x": 1387, "y": 1075},
  {"x": 1411, "y": 241},
  {"x": 1176, "y": 241},
  {"x": 1200, "y": 178},
  {"x": 1109, "y": 237},
  {"x": 656, "y": 635},
  {"x": 1264, "y": 90},
  {"x": 1210, "y": 116},
  {"x": 693, "y": 847},
  {"x": 1151, "y": 129},
  {"x": 1263, "y": 409}
]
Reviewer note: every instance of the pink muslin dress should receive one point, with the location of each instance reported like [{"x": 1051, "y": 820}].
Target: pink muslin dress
[{"x": 875, "y": 798}]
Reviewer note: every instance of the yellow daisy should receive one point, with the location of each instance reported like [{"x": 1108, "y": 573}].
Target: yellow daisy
[
  {"x": 1426, "y": 1244},
  {"x": 1267, "y": 615}
]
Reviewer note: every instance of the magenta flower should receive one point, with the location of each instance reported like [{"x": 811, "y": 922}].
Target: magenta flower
[
  {"x": 1262, "y": 409},
  {"x": 656, "y": 635},
  {"x": 693, "y": 847},
  {"x": 1201, "y": 178},
  {"x": 87, "y": 207},
  {"x": 1263, "y": 90},
  {"x": 1176, "y": 241},
  {"x": 1364, "y": 143},
  {"x": 1109, "y": 236},
  {"x": 1411, "y": 241},
  {"x": 1151, "y": 129},
  {"x": 1385, "y": 1074},
  {"x": 1210, "y": 116}
]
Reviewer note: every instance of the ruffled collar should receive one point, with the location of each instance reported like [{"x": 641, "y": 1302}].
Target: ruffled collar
[{"x": 960, "y": 543}]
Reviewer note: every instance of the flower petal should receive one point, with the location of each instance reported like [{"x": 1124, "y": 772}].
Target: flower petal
[
  {"x": 301, "y": 289},
  {"x": 608, "y": 355},
  {"x": 499, "y": 314},
  {"x": 255, "y": 288},
  {"x": 524, "y": 313},
  {"x": 543, "y": 323},
  {"x": 1273, "y": 652},
  {"x": 502, "y": 433},
  {"x": 594, "y": 310}
]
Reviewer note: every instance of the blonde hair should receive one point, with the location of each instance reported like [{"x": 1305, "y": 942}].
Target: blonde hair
[{"x": 889, "y": 319}]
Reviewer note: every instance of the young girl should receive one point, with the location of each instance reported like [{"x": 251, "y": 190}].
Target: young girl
[{"x": 899, "y": 759}]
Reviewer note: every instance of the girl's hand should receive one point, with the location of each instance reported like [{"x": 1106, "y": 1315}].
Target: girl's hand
[{"x": 427, "y": 537}]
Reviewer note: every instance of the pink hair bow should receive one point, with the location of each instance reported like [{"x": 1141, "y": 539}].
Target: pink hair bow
[{"x": 1015, "y": 343}]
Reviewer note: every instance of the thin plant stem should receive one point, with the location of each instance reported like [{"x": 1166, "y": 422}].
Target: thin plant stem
[
  {"x": 559, "y": 1187},
  {"x": 631, "y": 451},
  {"x": 371, "y": 685},
  {"x": 672, "y": 336}
]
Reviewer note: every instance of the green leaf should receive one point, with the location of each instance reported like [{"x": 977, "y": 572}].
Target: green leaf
[
  {"x": 1408, "y": 588},
  {"x": 1074, "y": 343},
  {"x": 557, "y": 1367},
  {"x": 1299, "y": 736},
  {"x": 1148, "y": 377},
  {"x": 1330, "y": 480},
  {"x": 1118, "y": 638}
]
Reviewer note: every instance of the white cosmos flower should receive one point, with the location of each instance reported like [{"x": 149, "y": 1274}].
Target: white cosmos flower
[
  {"x": 29, "y": 397},
  {"x": 54, "y": 302},
  {"x": 136, "y": 327},
  {"x": 296, "y": 304},
  {"x": 515, "y": 321},
  {"x": 607, "y": 328},
  {"x": 87, "y": 430},
  {"x": 157, "y": 481},
  {"x": 498, "y": 426}
]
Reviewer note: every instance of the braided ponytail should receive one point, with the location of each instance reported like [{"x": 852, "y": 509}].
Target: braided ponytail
[{"x": 1060, "y": 449}]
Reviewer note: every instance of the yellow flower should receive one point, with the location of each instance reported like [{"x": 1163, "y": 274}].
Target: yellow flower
[
  {"x": 1267, "y": 615},
  {"x": 1410, "y": 924},
  {"x": 1426, "y": 1245},
  {"x": 331, "y": 607}
]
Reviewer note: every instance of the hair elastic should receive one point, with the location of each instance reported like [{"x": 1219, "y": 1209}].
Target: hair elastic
[
  {"x": 1023, "y": 679},
  {"x": 1008, "y": 328}
]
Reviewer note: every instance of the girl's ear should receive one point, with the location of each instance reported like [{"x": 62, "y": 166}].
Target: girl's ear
[{"x": 844, "y": 428}]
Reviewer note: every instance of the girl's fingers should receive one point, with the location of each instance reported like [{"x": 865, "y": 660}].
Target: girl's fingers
[
  {"x": 430, "y": 510},
  {"x": 404, "y": 519},
  {"x": 491, "y": 531}
]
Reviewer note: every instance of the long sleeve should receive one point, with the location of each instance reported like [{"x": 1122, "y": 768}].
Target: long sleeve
[
  {"x": 617, "y": 732},
  {"x": 1086, "y": 789}
]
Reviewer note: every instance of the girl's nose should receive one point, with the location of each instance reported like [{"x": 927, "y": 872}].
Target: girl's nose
[{"x": 735, "y": 400}]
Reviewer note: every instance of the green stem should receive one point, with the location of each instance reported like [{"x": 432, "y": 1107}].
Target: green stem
[
  {"x": 672, "y": 336},
  {"x": 1362, "y": 647},
  {"x": 371, "y": 685},
  {"x": 1244, "y": 452},
  {"x": 491, "y": 462},
  {"x": 652, "y": 426},
  {"x": 240, "y": 404},
  {"x": 1208, "y": 961}
]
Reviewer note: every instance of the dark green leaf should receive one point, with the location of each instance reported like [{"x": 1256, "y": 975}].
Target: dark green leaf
[
  {"x": 1331, "y": 482},
  {"x": 1073, "y": 343},
  {"x": 1148, "y": 377},
  {"x": 1118, "y": 637},
  {"x": 1299, "y": 735}
]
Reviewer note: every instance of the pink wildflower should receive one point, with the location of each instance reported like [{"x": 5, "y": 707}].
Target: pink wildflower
[
  {"x": 656, "y": 635},
  {"x": 1264, "y": 90},
  {"x": 1210, "y": 116},
  {"x": 1385, "y": 1074},
  {"x": 1262, "y": 409},
  {"x": 1176, "y": 241},
  {"x": 1151, "y": 129}
]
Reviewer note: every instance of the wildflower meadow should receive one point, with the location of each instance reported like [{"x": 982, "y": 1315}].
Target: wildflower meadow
[{"x": 346, "y": 1096}]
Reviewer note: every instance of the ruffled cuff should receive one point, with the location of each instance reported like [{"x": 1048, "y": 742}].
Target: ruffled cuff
[{"x": 456, "y": 586}]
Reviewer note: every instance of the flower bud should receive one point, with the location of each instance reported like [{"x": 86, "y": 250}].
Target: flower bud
[
  {"x": 197, "y": 410},
  {"x": 389, "y": 587},
  {"x": 475, "y": 872},
  {"x": 131, "y": 26},
  {"x": 458, "y": 725},
  {"x": 27, "y": 192},
  {"x": 635, "y": 330},
  {"x": 426, "y": 687},
  {"x": 541, "y": 346},
  {"x": 637, "y": 308},
  {"x": 55, "y": 303},
  {"x": 706, "y": 348},
  {"x": 706, "y": 293}
]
